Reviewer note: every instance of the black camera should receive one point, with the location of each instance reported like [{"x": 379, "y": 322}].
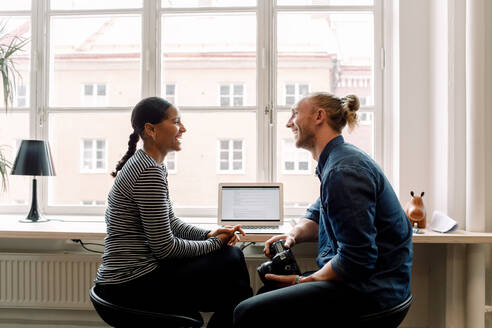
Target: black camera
[{"x": 283, "y": 262}]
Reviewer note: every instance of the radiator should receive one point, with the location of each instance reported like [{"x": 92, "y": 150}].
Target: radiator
[
  {"x": 57, "y": 281},
  {"x": 62, "y": 281}
]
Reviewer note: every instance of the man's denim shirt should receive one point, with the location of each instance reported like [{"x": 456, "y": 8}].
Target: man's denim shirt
[{"x": 362, "y": 228}]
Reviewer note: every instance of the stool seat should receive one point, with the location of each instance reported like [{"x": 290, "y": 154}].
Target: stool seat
[
  {"x": 120, "y": 316},
  {"x": 389, "y": 318}
]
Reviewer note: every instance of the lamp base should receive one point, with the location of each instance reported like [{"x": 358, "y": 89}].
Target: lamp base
[{"x": 31, "y": 221}]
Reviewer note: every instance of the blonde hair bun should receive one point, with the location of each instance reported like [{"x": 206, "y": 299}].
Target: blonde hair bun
[{"x": 352, "y": 103}]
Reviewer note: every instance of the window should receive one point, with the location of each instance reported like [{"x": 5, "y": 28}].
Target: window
[
  {"x": 171, "y": 163},
  {"x": 94, "y": 95},
  {"x": 240, "y": 65},
  {"x": 21, "y": 99},
  {"x": 170, "y": 93},
  {"x": 93, "y": 156},
  {"x": 231, "y": 95},
  {"x": 365, "y": 118},
  {"x": 93, "y": 203},
  {"x": 15, "y": 20},
  {"x": 295, "y": 160},
  {"x": 294, "y": 92},
  {"x": 231, "y": 156}
]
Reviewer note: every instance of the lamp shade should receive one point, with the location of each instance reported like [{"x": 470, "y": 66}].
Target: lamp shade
[{"x": 33, "y": 158}]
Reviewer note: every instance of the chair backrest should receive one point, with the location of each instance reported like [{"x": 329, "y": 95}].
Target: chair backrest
[
  {"x": 120, "y": 316},
  {"x": 389, "y": 318}
]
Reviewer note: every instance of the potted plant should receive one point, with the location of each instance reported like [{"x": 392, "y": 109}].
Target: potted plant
[{"x": 9, "y": 46}]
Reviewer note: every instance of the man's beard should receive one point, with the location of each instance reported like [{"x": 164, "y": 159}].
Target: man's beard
[{"x": 305, "y": 139}]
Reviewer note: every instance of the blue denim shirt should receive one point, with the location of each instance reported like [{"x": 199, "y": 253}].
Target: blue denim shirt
[{"x": 362, "y": 228}]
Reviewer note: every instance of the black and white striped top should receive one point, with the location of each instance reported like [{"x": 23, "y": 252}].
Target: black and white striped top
[{"x": 141, "y": 226}]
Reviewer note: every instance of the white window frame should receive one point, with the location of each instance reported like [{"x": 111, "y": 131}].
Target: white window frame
[
  {"x": 296, "y": 153},
  {"x": 231, "y": 160},
  {"x": 94, "y": 100},
  {"x": 94, "y": 156},
  {"x": 231, "y": 95},
  {"x": 266, "y": 88},
  {"x": 174, "y": 160},
  {"x": 297, "y": 95}
]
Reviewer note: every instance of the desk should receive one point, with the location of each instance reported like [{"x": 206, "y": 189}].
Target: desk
[
  {"x": 54, "y": 233},
  {"x": 94, "y": 228}
]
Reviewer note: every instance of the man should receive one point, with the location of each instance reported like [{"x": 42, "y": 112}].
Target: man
[{"x": 364, "y": 237}]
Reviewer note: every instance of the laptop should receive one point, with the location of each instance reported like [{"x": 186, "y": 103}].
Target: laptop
[{"x": 258, "y": 207}]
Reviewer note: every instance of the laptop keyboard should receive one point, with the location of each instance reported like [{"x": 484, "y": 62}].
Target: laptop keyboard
[{"x": 260, "y": 227}]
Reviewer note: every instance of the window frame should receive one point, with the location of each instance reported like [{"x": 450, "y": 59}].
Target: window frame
[{"x": 266, "y": 106}]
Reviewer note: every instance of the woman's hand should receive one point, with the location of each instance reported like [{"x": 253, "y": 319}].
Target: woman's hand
[
  {"x": 289, "y": 242},
  {"x": 228, "y": 235}
]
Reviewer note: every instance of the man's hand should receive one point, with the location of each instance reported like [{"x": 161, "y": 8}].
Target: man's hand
[
  {"x": 289, "y": 242},
  {"x": 284, "y": 281},
  {"x": 228, "y": 235}
]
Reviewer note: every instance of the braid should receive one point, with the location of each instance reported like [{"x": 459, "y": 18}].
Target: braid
[{"x": 132, "y": 147}]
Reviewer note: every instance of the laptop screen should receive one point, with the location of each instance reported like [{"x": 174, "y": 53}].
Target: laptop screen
[{"x": 251, "y": 203}]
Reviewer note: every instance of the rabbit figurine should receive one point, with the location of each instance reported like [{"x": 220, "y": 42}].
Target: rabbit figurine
[{"x": 415, "y": 211}]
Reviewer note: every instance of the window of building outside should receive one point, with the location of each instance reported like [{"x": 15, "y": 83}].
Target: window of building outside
[
  {"x": 231, "y": 156},
  {"x": 231, "y": 94},
  {"x": 21, "y": 96},
  {"x": 101, "y": 57},
  {"x": 93, "y": 156},
  {"x": 295, "y": 160},
  {"x": 294, "y": 92},
  {"x": 94, "y": 95},
  {"x": 93, "y": 203},
  {"x": 170, "y": 93},
  {"x": 171, "y": 163}
]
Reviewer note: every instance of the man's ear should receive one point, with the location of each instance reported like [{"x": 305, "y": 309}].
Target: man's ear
[{"x": 320, "y": 115}]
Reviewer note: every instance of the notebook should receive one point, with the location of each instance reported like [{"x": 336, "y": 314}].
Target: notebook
[{"x": 258, "y": 207}]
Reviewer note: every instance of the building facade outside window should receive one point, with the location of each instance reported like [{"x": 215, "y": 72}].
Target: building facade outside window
[
  {"x": 231, "y": 94},
  {"x": 294, "y": 92},
  {"x": 94, "y": 94},
  {"x": 93, "y": 156},
  {"x": 295, "y": 160},
  {"x": 231, "y": 156}
]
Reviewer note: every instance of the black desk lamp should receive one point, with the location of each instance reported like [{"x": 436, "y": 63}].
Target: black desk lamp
[{"x": 33, "y": 158}]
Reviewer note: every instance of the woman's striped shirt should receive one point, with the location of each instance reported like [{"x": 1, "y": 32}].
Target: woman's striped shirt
[{"x": 141, "y": 226}]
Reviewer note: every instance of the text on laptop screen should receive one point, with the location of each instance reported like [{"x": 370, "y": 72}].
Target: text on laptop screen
[{"x": 250, "y": 203}]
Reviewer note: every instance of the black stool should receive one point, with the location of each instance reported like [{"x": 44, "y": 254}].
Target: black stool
[
  {"x": 389, "y": 318},
  {"x": 119, "y": 316}
]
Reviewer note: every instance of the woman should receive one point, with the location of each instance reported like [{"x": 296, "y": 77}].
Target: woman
[{"x": 152, "y": 260}]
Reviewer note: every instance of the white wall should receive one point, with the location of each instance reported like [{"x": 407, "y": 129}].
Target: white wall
[
  {"x": 488, "y": 117},
  {"x": 414, "y": 99}
]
